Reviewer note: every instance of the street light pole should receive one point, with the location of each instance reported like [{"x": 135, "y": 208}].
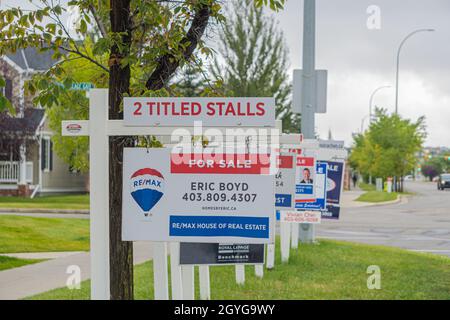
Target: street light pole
[
  {"x": 371, "y": 100},
  {"x": 306, "y": 231},
  {"x": 398, "y": 62},
  {"x": 362, "y": 123}
]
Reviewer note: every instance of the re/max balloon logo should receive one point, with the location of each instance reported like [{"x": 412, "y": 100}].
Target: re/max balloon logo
[{"x": 147, "y": 188}]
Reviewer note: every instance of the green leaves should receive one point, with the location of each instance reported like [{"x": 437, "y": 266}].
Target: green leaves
[
  {"x": 275, "y": 5},
  {"x": 5, "y": 104}
]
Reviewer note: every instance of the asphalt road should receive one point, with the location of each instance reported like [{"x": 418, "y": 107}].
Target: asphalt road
[{"x": 420, "y": 222}]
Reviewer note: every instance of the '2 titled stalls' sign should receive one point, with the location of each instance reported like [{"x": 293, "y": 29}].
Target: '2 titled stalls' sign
[
  {"x": 212, "y": 112},
  {"x": 196, "y": 197}
]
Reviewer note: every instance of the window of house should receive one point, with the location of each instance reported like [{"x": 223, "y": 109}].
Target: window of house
[
  {"x": 7, "y": 89},
  {"x": 46, "y": 154}
]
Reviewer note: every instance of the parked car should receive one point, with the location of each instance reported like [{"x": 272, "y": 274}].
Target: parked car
[
  {"x": 444, "y": 181},
  {"x": 408, "y": 178}
]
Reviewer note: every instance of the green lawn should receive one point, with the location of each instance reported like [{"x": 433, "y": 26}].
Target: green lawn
[
  {"x": 9, "y": 262},
  {"x": 47, "y": 202},
  {"x": 367, "y": 187},
  {"x": 329, "y": 270},
  {"x": 377, "y": 196},
  {"x": 33, "y": 234}
]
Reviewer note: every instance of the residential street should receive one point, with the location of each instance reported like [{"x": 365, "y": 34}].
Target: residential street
[{"x": 420, "y": 222}]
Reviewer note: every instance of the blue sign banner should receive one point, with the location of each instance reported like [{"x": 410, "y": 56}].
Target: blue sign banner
[
  {"x": 304, "y": 189},
  {"x": 219, "y": 226},
  {"x": 283, "y": 200},
  {"x": 334, "y": 186},
  {"x": 320, "y": 203},
  {"x": 331, "y": 212}
]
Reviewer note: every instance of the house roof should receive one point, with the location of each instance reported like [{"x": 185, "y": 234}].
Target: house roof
[
  {"x": 28, "y": 124},
  {"x": 31, "y": 58}
]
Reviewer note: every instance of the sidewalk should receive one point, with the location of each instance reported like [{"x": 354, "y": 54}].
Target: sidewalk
[
  {"x": 47, "y": 215},
  {"x": 39, "y": 210},
  {"x": 22, "y": 282}
]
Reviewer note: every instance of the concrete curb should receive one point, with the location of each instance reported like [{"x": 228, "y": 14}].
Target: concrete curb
[
  {"x": 37, "y": 210},
  {"x": 399, "y": 199}
]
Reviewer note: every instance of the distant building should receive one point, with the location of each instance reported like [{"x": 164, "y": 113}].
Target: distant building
[{"x": 31, "y": 167}]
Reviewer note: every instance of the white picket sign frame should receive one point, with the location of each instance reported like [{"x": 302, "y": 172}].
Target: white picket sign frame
[{"x": 99, "y": 128}]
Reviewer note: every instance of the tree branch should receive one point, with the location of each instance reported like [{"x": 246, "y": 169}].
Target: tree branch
[
  {"x": 79, "y": 53},
  {"x": 168, "y": 63},
  {"x": 98, "y": 20}
]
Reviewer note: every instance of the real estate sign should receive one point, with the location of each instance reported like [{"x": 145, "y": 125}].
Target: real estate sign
[
  {"x": 285, "y": 181},
  {"x": 220, "y": 198},
  {"x": 320, "y": 190}
]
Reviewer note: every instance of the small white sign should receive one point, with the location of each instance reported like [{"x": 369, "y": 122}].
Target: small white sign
[
  {"x": 213, "y": 112},
  {"x": 311, "y": 217},
  {"x": 285, "y": 181},
  {"x": 75, "y": 128}
]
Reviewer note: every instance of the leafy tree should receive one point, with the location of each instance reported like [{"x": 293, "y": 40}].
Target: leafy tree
[
  {"x": 144, "y": 43},
  {"x": 389, "y": 146},
  {"x": 191, "y": 82},
  {"x": 253, "y": 60},
  {"x": 434, "y": 166}
]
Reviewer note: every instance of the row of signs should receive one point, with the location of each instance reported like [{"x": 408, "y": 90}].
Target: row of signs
[
  {"x": 221, "y": 205},
  {"x": 316, "y": 190}
]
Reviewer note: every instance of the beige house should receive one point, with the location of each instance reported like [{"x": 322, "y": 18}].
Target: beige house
[{"x": 28, "y": 165}]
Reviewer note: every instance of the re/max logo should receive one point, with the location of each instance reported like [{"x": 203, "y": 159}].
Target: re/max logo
[{"x": 147, "y": 182}]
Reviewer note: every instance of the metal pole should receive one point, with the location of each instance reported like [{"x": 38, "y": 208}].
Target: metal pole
[
  {"x": 398, "y": 62},
  {"x": 308, "y": 89},
  {"x": 371, "y": 100}
]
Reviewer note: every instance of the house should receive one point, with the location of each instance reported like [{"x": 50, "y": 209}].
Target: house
[{"x": 28, "y": 165}]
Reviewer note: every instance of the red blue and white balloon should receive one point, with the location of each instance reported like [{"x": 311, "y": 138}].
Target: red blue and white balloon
[{"x": 147, "y": 188}]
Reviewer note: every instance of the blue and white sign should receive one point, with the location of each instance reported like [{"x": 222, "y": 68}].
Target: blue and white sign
[
  {"x": 334, "y": 189},
  {"x": 321, "y": 190},
  {"x": 196, "y": 197}
]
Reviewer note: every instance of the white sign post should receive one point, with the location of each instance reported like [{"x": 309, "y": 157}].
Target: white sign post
[
  {"x": 240, "y": 274},
  {"x": 205, "y": 289},
  {"x": 188, "y": 279},
  {"x": 175, "y": 271},
  {"x": 160, "y": 275},
  {"x": 285, "y": 244}
]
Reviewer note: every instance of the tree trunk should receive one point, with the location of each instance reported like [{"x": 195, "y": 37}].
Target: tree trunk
[{"x": 121, "y": 252}]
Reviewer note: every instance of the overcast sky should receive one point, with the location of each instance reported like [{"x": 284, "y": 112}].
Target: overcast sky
[{"x": 359, "y": 60}]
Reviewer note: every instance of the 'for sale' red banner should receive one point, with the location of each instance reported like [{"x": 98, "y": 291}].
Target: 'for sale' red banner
[{"x": 220, "y": 163}]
